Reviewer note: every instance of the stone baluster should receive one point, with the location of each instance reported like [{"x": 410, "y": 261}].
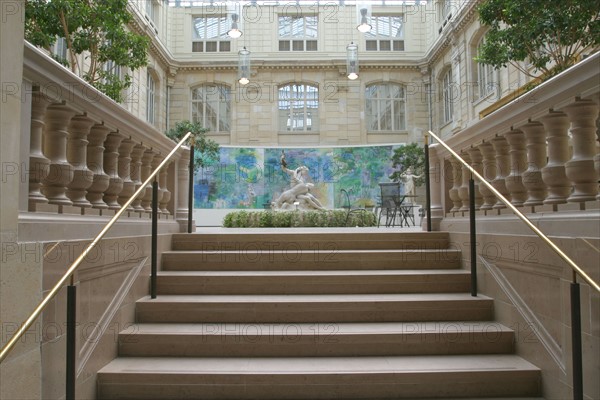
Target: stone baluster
[
  {"x": 155, "y": 163},
  {"x": 502, "y": 169},
  {"x": 456, "y": 183},
  {"x": 518, "y": 163},
  {"x": 147, "y": 158},
  {"x": 166, "y": 194},
  {"x": 476, "y": 163},
  {"x": 535, "y": 138},
  {"x": 489, "y": 173},
  {"x": 111, "y": 167},
  {"x": 95, "y": 156},
  {"x": 60, "y": 173},
  {"x": 125, "y": 161},
  {"x": 580, "y": 168},
  {"x": 38, "y": 163},
  {"x": 553, "y": 174},
  {"x": 463, "y": 191},
  {"x": 183, "y": 178},
  {"x": 136, "y": 174},
  {"x": 83, "y": 177}
]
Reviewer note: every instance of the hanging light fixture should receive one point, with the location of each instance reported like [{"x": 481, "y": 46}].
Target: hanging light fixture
[
  {"x": 235, "y": 31},
  {"x": 352, "y": 61},
  {"x": 244, "y": 66},
  {"x": 364, "y": 26}
]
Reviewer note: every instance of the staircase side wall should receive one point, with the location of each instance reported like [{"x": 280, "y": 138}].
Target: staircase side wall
[{"x": 530, "y": 287}]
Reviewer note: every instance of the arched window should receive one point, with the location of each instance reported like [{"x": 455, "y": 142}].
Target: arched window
[
  {"x": 298, "y": 107},
  {"x": 447, "y": 96},
  {"x": 211, "y": 107},
  {"x": 385, "y": 107},
  {"x": 486, "y": 81}
]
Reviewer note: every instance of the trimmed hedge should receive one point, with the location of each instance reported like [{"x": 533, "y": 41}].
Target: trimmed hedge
[{"x": 294, "y": 219}]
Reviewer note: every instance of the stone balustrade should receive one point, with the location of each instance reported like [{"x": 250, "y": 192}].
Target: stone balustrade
[
  {"x": 88, "y": 154},
  {"x": 541, "y": 151}
]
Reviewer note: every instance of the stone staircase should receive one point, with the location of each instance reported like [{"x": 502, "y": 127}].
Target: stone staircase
[{"x": 332, "y": 315}]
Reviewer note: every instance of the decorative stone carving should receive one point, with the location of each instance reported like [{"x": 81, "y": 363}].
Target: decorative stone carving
[
  {"x": 580, "y": 168},
  {"x": 298, "y": 196},
  {"x": 60, "y": 172},
  {"x": 463, "y": 190},
  {"x": 136, "y": 173},
  {"x": 111, "y": 167},
  {"x": 489, "y": 173},
  {"x": 476, "y": 163},
  {"x": 125, "y": 161},
  {"x": 518, "y": 163},
  {"x": 83, "y": 177},
  {"x": 456, "y": 184},
  {"x": 39, "y": 164},
  {"x": 553, "y": 174},
  {"x": 95, "y": 157},
  {"x": 502, "y": 169},
  {"x": 535, "y": 138}
]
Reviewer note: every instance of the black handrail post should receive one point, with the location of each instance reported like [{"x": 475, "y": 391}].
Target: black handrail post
[
  {"x": 191, "y": 188},
  {"x": 71, "y": 373},
  {"x": 576, "y": 340},
  {"x": 427, "y": 185},
  {"x": 473, "y": 237},
  {"x": 154, "y": 239}
]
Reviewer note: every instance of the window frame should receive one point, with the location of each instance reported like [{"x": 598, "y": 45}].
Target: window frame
[
  {"x": 150, "y": 98},
  {"x": 293, "y": 41},
  {"x": 310, "y": 115},
  {"x": 224, "y": 91},
  {"x": 376, "y": 37},
  {"x": 378, "y": 104},
  {"x": 447, "y": 96},
  {"x": 221, "y": 42}
]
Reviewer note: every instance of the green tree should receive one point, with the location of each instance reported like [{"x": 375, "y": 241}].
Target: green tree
[
  {"x": 409, "y": 156},
  {"x": 95, "y": 28},
  {"x": 206, "y": 151},
  {"x": 550, "y": 35}
]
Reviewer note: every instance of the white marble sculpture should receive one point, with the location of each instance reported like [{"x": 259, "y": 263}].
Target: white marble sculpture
[
  {"x": 298, "y": 196},
  {"x": 409, "y": 181}
]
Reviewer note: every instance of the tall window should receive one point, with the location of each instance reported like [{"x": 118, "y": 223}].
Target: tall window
[
  {"x": 448, "y": 96},
  {"x": 149, "y": 98},
  {"x": 299, "y": 107},
  {"x": 387, "y": 33},
  {"x": 209, "y": 34},
  {"x": 298, "y": 33},
  {"x": 60, "y": 49},
  {"x": 211, "y": 107},
  {"x": 485, "y": 78},
  {"x": 386, "y": 107}
]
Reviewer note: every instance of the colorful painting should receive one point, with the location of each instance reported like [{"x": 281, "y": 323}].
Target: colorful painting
[{"x": 252, "y": 177}]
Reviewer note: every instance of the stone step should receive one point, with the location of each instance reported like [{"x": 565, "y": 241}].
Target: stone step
[
  {"x": 315, "y": 308},
  {"x": 309, "y": 239},
  {"x": 310, "y": 260},
  {"x": 313, "y": 282},
  {"x": 391, "y": 377},
  {"x": 314, "y": 340}
]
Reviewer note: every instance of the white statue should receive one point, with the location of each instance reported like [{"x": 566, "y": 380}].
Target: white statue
[
  {"x": 298, "y": 196},
  {"x": 409, "y": 181}
]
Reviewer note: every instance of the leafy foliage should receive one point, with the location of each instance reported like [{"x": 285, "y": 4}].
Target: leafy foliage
[
  {"x": 94, "y": 28},
  {"x": 552, "y": 36},
  {"x": 409, "y": 156},
  {"x": 288, "y": 219},
  {"x": 206, "y": 151}
]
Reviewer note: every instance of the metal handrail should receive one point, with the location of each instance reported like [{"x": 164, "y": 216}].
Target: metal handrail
[
  {"x": 576, "y": 269},
  {"x": 69, "y": 274}
]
